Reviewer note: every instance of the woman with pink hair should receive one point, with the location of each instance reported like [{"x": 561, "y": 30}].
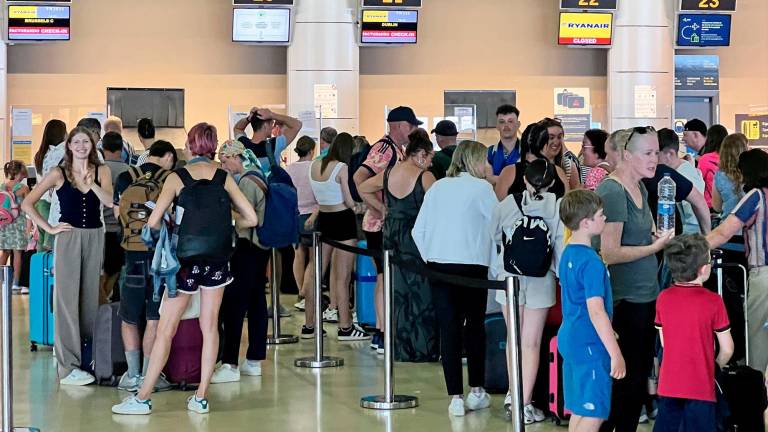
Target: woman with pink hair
[{"x": 203, "y": 270}]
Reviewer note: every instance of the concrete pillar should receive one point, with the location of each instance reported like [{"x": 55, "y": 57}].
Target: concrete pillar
[
  {"x": 325, "y": 51},
  {"x": 5, "y": 155},
  {"x": 642, "y": 55}
]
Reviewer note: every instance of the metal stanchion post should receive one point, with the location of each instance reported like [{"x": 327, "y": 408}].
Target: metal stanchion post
[
  {"x": 513, "y": 353},
  {"x": 7, "y": 353},
  {"x": 277, "y": 337},
  {"x": 389, "y": 400},
  {"x": 719, "y": 270},
  {"x": 318, "y": 360}
]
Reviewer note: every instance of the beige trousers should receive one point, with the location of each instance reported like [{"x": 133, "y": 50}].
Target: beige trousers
[{"x": 757, "y": 314}]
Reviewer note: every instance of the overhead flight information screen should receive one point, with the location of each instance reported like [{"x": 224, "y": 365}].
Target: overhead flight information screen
[
  {"x": 38, "y": 23},
  {"x": 389, "y": 26},
  {"x": 703, "y": 30},
  {"x": 268, "y": 25}
]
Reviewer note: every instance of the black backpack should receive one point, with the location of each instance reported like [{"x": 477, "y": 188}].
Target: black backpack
[
  {"x": 206, "y": 231},
  {"x": 527, "y": 245},
  {"x": 358, "y": 159}
]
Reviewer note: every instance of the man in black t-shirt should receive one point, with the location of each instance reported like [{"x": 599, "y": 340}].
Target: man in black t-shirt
[{"x": 262, "y": 120}]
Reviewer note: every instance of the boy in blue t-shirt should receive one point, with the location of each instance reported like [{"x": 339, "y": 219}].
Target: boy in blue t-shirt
[{"x": 591, "y": 354}]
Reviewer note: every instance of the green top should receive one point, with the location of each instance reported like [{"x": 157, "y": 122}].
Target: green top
[
  {"x": 441, "y": 161},
  {"x": 256, "y": 197},
  {"x": 634, "y": 281}
]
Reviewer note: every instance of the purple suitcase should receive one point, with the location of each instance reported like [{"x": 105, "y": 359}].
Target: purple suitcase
[{"x": 183, "y": 365}]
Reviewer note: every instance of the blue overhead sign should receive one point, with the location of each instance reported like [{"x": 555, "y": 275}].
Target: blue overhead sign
[
  {"x": 703, "y": 30},
  {"x": 697, "y": 72}
]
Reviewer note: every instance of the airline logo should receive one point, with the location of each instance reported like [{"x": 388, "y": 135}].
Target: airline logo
[{"x": 585, "y": 29}]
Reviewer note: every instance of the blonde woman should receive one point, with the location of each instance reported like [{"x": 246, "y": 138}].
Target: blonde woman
[{"x": 452, "y": 234}]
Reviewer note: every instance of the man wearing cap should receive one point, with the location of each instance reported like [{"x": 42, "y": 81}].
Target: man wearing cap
[
  {"x": 695, "y": 135},
  {"x": 383, "y": 154},
  {"x": 445, "y": 134},
  {"x": 507, "y": 151}
]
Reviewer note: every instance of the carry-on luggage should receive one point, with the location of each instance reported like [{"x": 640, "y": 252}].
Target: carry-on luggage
[
  {"x": 365, "y": 285},
  {"x": 41, "y": 300},
  {"x": 556, "y": 397},
  {"x": 183, "y": 365},
  {"x": 743, "y": 388},
  {"x": 108, "y": 352},
  {"x": 496, "y": 379}
]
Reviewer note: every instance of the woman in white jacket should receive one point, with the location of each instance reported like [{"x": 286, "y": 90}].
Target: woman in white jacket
[{"x": 537, "y": 294}]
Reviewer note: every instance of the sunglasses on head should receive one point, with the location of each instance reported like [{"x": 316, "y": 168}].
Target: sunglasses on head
[{"x": 641, "y": 130}]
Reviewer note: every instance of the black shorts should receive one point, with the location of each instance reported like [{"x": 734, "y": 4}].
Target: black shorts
[
  {"x": 199, "y": 275},
  {"x": 339, "y": 226},
  {"x": 305, "y": 235},
  {"x": 137, "y": 294},
  {"x": 375, "y": 241},
  {"x": 114, "y": 255}
]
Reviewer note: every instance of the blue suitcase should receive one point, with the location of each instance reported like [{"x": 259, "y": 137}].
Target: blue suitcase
[{"x": 41, "y": 300}]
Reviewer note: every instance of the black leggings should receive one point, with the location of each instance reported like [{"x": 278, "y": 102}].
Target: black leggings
[
  {"x": 245, "y": 294},
  {"x": 453, "y": 305},
  {"x": 633, "y": 322}
]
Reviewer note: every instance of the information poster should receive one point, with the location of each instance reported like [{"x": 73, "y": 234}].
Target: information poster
[
  {"x": 703, "y": 30},
  {"x": 326, "y": 101},
  {"x": 645, "y": 101},
  {"x": 308, "y": 123},
  {"x": 755, "y": 127},
  {"x": 572, "y": 107},
  {"x": 21, "y": 149},
  {"x": 697, "y": 72},
  {"x": 21, "y": 122}
]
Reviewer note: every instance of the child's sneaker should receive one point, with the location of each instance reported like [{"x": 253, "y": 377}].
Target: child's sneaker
[
  {"x": 199, "y": 406},
  {"x": 477, "y": 400},
  {"x": 353, "y": 333},
  {"x": 532, "y": 415},
  {"x": 132, "y": 405},
  {"x": 456, "y": 408}
]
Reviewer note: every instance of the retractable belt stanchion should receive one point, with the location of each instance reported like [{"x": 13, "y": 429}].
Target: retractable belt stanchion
[
  {"x": 718, "y": 267},
  {"x": 513, "y": 353},
  {"x": 389, "y": 400},
  {"x": 7, "y": 274},
  {"x": 277, "y": 338},
  {"x": 318, "y": 360}
]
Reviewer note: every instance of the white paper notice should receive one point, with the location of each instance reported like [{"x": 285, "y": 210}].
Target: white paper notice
[
  {"x": 101, "y": 116},
  {"x": 327, "y": 100},
  {"x": 645, "y": 101},
  {"x": 308, "y": 122},
  {"x": 21, "y": 122}
]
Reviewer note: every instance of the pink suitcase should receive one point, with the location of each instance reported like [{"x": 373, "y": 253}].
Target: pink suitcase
[
  {"x": 183, "y": 365},
  {"x": 556, "y": 398}
]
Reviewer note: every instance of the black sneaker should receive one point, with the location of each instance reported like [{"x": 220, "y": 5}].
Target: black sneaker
[
  {"x": 376, "y": 340},
  {"x": 309, "y": 333},
  {"x": 353, "y": 333}
]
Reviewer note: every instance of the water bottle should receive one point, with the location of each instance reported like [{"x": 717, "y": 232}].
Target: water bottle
[{"x": 665, "y": 217}]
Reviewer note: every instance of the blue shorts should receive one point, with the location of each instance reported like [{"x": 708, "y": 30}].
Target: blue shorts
[{"x": 587, "y": 384}]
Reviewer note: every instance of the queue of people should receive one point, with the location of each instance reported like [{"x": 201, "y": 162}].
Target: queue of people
[{"x": 525, "y": 207}]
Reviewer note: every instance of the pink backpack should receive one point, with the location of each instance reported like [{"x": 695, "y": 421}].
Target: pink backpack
[{"x": 9, "y": 207}]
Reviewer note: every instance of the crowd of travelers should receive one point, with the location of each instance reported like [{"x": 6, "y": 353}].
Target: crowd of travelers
[{"x": 578, "y": 230}]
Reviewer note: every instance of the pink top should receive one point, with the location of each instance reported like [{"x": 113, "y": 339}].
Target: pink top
[
  {"x": 709, "y": 165},
  {"x": 594, "y": 177},
  {"x": 299, "y": 172}
]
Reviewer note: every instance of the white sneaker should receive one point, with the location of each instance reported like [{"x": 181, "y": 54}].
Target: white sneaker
[
  {"x": 301, "y": 305},
  {"x": 477, "y": 400},
  {"x": 224, "y": 374},
  {"x": 532, "y": 415},
  {"x": 199, "y": 406},
  {"x": 456, "y": 408},
  {"x": 354, "y": 317},
  {"x": 77, "y": 377},
  {"x": 161, "y": 384},
  {"x": 251, "y": 368},
  {"x": 331, "y": 315},
  {"x": 133, "y": 406},
  {"x": 129, "y": 383},
  {"x": 15, "y": 288},
  {"x": 508, "y": 405},
  {"x": 24, "y": 290}
]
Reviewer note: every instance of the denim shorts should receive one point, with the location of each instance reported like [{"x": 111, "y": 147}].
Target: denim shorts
[{"x": 137, "y": 294}]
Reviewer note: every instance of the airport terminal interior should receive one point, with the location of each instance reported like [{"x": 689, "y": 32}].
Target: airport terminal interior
[{"x": 352, "y": 65}]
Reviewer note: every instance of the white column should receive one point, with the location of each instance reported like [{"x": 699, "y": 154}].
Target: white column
[
  {"x": 642, "y": 55},
  {"x": 5, "y": 155},
  {"x": 325, "y": 51}
]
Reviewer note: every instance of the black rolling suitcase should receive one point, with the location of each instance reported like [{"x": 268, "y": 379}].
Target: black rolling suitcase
[{"x": 741, "y": 387}]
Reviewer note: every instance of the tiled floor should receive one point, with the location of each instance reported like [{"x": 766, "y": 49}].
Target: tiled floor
[{"x": 285, "y": 398}]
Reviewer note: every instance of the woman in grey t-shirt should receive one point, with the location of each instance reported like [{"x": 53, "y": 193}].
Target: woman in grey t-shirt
[{"x": 628, "y": 248}]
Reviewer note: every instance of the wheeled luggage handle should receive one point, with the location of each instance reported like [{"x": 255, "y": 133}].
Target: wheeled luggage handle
[{"x": 718, "y": 266}]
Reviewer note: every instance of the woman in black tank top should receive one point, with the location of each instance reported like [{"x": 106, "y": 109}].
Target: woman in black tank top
[{"x": 83, "y": 186}]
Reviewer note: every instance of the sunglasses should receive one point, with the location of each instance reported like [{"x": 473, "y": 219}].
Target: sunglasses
[{"x": 640, "y": 130}]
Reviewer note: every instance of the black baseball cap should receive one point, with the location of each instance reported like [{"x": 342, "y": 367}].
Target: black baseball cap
[
  {"x": 445, "y": 128},
  {"x": 696, "y": 125},
  {"x": 403, "y": 114}
]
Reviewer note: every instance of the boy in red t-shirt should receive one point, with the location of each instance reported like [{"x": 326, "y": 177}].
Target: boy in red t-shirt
[{"x": 688, "y": 317}]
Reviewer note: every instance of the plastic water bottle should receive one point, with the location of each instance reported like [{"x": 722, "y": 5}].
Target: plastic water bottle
[{"x": 665, "y": 217}]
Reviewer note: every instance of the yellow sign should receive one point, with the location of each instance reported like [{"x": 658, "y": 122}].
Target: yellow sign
[
  {"x": 22, "y": 12},
  {"x": 22, "y": 152},
  {"x": 751, "y": 128},
  {"x": 377, "y": 16},
  {"x": 590, "y": 29}
]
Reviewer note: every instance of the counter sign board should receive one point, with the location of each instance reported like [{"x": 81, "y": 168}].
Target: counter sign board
[
  {"x": 38, "y": 23},
  {"x": 585, "y": 29},
  {"x": 708, "y": 5},
  {"x": 391, "y": 3},
  {"x": 262, "y": 2},
  {"x": 589, "y": 4}
]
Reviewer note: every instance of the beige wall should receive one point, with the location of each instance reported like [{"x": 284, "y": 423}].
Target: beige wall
[{"x": 492, "y": 44}]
